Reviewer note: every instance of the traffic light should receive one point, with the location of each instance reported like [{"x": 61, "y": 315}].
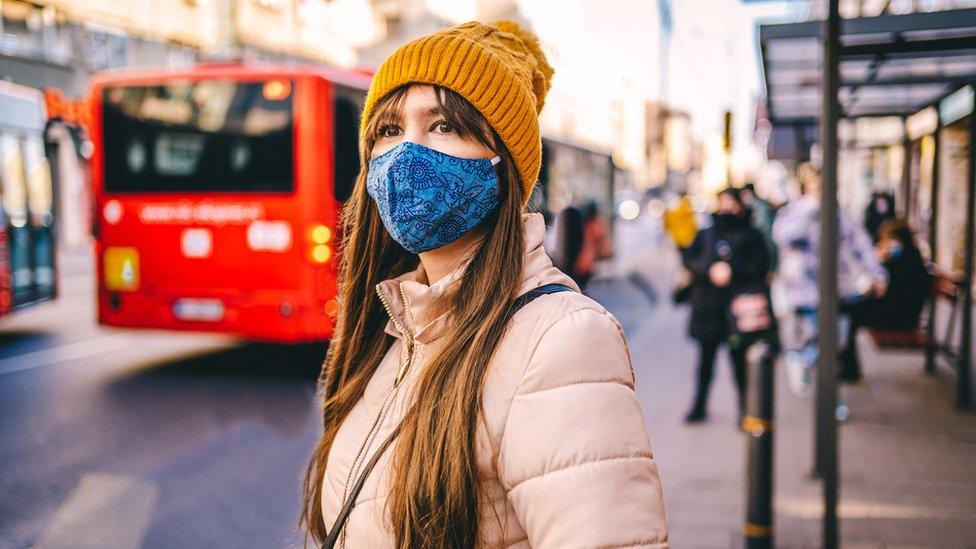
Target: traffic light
[{"x": 727, "y": 134}]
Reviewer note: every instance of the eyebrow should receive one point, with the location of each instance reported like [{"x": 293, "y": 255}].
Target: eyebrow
[{"x": 393, "y": 116}]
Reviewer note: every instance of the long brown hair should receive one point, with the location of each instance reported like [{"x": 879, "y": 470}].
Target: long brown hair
[{"x": 435, "y": 493}]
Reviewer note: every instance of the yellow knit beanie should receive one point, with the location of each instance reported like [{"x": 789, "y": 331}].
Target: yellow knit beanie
[{"x": 498, "y": 68}]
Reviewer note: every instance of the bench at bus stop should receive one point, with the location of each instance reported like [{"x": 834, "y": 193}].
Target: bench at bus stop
[{"x": 946, "y": 288}]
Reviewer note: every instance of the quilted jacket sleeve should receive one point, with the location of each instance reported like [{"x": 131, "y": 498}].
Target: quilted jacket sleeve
[{"x": 575, "y": 458}]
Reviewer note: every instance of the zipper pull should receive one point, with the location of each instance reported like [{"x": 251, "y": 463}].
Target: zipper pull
[{"x": 403, "y": 368}]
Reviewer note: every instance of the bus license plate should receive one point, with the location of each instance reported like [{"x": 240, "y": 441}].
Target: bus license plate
[{"x": 208, "y": 310}]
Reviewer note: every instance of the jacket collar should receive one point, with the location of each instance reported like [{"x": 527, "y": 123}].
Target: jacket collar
[{"x": 420, "y": 310}]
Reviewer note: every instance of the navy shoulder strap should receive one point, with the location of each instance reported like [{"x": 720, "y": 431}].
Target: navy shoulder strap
[{"x": 531, "y": 295}]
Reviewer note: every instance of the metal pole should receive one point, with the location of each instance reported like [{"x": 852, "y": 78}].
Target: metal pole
[
  {"x": 906, "y": 172},
  {"x": 963, "y": 388},
  {"x": 930, "y": 331},
  {"x": 828, "y": 333},
  {"x": 758, "y": 424}
]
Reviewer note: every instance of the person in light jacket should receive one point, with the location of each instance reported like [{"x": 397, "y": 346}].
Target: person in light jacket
[
  {"x": 468, "y": 401},
  {"x": 860, "y": 275}
]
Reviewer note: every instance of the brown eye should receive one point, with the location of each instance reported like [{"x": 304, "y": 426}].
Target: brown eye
[
  {"x": 443, "y": 127},
  {"x": 388, "y": 130}
]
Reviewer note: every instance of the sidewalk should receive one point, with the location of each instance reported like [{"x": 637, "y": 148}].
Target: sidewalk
[{"x": 907, "y": 458}]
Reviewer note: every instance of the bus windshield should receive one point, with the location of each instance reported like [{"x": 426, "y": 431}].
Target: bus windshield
[{"x": 202, "y": 135}]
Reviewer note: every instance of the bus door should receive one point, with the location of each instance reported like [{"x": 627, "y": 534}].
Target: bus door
[{"x": 25, "y": 185}]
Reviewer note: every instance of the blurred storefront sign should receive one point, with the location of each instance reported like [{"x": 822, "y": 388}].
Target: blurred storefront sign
[
  {"x": 668, "y": 144},
  {"x": 921, "y": 123},
  {"x": 956, "y": 105},
  {"x": 105, "y": 49},
  {"x": 75, "y": 112}
]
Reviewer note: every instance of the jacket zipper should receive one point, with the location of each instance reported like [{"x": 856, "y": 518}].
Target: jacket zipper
[
  {"x": 390, "y": 397},
  {"x": 408, "y": 335}
]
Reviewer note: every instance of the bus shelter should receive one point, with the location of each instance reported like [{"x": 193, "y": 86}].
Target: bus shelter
[{"x": 921, "y": 68}]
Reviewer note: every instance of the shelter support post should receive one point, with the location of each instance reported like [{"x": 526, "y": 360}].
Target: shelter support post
[
  {"x": 963, "y": 384},
  {"x": 931, "y": 348},
  {"x": 828, "y": 332},
  {"x": 906, "y": 171}
]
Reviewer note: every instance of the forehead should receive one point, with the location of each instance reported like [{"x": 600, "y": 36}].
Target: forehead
[{"x": 419, "y": 100}]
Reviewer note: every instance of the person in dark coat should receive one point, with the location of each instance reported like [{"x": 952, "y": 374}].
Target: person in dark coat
[
  {"x": 899, "y": 308},
  {"x": 726, "y": 259},
  {"x": 880, "y": 209},
  {"x": 763, "y": 215},
  {"x": 568, "y": 236}
]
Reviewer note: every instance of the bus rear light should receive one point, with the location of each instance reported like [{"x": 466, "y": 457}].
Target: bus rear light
[
  {"x": 196, "y": 242},
  {"x": 321, "y": 234},
  {"x": 271, "y": 236},
  {"x": 331, "y": 308},
  {"x": 121, "y": 266},
  {"x": 321, "y": 253}
]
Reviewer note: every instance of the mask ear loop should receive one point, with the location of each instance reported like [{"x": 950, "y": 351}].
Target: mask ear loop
[{"x": 496, "y": 160}]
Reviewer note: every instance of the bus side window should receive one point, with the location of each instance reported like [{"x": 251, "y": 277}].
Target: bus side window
[
  {"x": 15, "y": 208},
  {"x": 346, "y": 146}
]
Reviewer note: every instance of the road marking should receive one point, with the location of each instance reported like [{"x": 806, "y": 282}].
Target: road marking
[
  {"x": 64, "y": 353},
  {"x": 104, "y": 511}
]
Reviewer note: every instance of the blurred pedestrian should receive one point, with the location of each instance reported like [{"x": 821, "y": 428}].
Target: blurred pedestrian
[
  {"x": 880, "y": 208},
  {"x": 597, "y": 244},
  {"x": 471, "y": 394},
  {"x": 763, "y": 214},
  {"x": 796, "y": 232},
  {"x": 725, "y": 260},
  {"x": 568, "y": 237},
  {"x": 909, "y": 285},
  {"x": 680, "y": 222}
]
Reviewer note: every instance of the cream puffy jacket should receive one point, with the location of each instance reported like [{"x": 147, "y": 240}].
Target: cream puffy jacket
[{"x": 563, "y": 449}]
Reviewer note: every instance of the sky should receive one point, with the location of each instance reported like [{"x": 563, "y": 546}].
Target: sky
[{"x": 714, "y": 60}]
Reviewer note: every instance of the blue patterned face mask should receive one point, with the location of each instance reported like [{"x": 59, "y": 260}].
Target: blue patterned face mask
[{"x": 428, "y": 199}]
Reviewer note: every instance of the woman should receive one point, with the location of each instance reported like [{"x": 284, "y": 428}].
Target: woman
[
  {"x": 505, "y": 426},
  {"x": 726, "y": 259},
  {"x": 900, "y": 305}
]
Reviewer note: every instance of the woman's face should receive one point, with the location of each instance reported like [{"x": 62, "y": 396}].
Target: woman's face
[
  {"x": 420, "y": 121},
  {"x": 728, "y": 205}
]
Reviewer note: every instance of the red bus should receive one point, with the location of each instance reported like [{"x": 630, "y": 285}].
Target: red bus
[
  {"x": 27, "y": 263},
  {"x": 218, "y": 192}
]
